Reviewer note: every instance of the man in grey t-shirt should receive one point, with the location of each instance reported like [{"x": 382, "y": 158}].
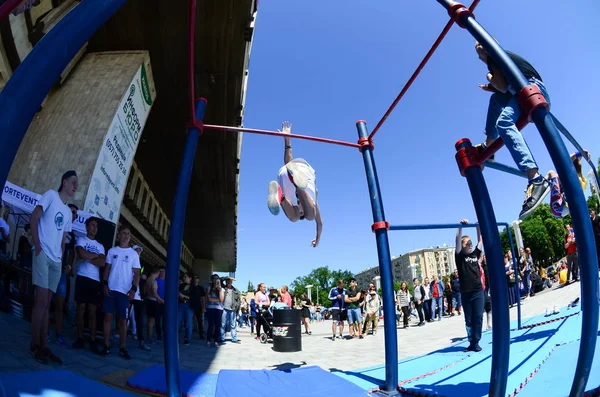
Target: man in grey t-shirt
[{"x": 228, "y": 320}]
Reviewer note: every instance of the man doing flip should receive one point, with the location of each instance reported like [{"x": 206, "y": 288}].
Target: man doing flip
[{"x": 295, "y": 189}]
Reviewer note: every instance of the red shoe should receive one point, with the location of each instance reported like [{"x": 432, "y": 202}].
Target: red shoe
[{"x": 275, "y": 197}]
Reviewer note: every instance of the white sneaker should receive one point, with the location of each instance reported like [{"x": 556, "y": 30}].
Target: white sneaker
[
  {"x": 548, "y": 312},
  {"x": 275, "y": 197},
  {"x": 297, "y": 175},
  {"x": 556, "y": 309}
]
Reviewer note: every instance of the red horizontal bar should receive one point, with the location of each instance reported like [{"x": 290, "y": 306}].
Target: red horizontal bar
[
  {"x": 281, "y": 134},
  {"x": 498, "y": 143},
  {"x": 433, "y": 48}
]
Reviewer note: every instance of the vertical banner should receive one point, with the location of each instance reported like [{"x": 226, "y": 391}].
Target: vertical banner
[{"x": 109, "y": 178}]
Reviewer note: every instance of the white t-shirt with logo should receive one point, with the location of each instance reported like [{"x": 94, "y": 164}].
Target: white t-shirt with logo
[
  {"x": 85, "y": 268},
  {"x": 54, "y": 222},
  {"x": 122, "y": 261}
]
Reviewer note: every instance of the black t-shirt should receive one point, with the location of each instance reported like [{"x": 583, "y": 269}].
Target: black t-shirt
[
  {"x": 596, "y": 227},
  {"x": 352, "y": 294},
  {"x": 468, "y": 271},
  {"x": 525, "y": 67}
]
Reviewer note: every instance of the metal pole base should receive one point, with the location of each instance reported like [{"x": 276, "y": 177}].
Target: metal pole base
[{"x": 386, "y": 393}]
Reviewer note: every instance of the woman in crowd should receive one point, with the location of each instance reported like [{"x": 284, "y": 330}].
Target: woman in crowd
[
  {"x": 404, "y": 298},
  {"x": 511, "y": 279},
  {"x": 214, "y": 311},
  {"x": 306, "y": 305}
]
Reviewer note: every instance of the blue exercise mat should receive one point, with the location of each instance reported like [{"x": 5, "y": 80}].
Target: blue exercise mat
[
  {"x": 528, "y": 347},
  {"x": 310, "y": 381},
  {"x": 193, "y": 384},
  {"x": 54, "y": 383},
  {"x": 555, "y": 375}
]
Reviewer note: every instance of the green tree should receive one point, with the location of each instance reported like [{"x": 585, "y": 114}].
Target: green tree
[
  {"x": 250, "y": 286},
  {"x": 505, "y": 242},
  {"x": 592, "y": 203},
  {"x": 324, "y": 279},
  {"x": 535, "y": 236}
]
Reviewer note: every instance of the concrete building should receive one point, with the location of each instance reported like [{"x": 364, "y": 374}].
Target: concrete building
[
  {"x": 424, "y": 263},
  {"x": 367, "y": 276},
  {"x": 118, "y": 114}
]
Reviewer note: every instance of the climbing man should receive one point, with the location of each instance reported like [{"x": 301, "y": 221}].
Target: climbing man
[
  {"x": 295, "y": 189},
  {"x": 503, "y": 113}
]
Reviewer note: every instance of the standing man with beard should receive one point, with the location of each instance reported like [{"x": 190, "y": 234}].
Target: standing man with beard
[{"x": 472, "y": 288}]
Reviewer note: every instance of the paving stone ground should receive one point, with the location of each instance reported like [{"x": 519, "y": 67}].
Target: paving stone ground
[{"x": 317, "y": 349}]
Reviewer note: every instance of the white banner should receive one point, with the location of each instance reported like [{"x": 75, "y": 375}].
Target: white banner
[
  {"x": 23, "y": 202},
  {"x": 109, "y": 178}
]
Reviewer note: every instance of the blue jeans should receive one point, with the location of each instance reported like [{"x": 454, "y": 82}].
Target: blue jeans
[
  {"x": 456, "y": 300},
  {"x": 503, "y": 113},
  {"x": 187, "y": 314},
  {"x": 228, "y": 323},
  {"x": 437, "y": 305},
  {"x": 354, "y": 316},
  {"x": 213, "y": 317},
  {"x": 473, "y": 309}
]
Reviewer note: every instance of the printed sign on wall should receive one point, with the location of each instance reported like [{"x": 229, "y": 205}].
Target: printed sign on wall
[{"x": 109, "y": 179}]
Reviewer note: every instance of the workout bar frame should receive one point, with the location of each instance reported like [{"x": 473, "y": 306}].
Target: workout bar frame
[
  {"x": 474, "y": 225},
  {"x": 545, "y": 124},
  {"x": 281, "y": 134},
  {"x": 505, "y": 168},
  {"x": 417, "y": 71}
]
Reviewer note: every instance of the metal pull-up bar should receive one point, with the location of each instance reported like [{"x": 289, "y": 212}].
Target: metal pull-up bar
[
  {"x": 281, "y": 134},
  {"x": 473, "y": 225},
  {"x": 536, "y": 109},
  {"x": 412, "y": 78}
]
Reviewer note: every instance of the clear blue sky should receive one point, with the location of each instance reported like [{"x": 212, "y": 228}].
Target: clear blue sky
[{"x": 322, "y": 65}]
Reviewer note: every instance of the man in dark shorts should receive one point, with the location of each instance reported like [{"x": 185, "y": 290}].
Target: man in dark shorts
[
  {"x": 353, "y": 295},
  {"x": 471, "y": 285},
  {"x": 338, "y": 308},
  {"x": 153, "y": 301},
  {"x": 121, "y": 279},
  {"x": 92, "y": 258}
]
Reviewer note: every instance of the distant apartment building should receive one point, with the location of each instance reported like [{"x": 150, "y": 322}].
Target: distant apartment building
[
  {"x": 424, "y": 263},
  {"x": 366, "y": 276},
  {"x": 421, "y": 263}
]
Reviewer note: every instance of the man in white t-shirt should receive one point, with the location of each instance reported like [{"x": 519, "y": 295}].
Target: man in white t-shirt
[
  {"x": 92, "y": 258},
  {"x": 50, "y": 222},
  {"x": 295, "y": 189},
  {"x": 121, "y": 279}
]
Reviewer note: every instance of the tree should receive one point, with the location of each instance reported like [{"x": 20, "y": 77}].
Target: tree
[
  {"x": 324, "y": 279},
  {"x": 535, "y": 236},
  {"x": 250, "y": 286}
]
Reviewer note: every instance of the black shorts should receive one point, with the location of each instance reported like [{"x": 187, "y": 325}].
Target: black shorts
[
  {"x": 339, "y": 315},
  {"x": 87, "y": 291},
  {"x": 151, "y": 308}
]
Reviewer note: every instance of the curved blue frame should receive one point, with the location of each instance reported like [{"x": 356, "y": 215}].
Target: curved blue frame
[
  {"x": 545, "y": 124},
  {"x": 25, "y": 91}
]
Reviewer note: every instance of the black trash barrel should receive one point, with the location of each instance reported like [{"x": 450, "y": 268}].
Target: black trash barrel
[{"x": 287, "y": 331}]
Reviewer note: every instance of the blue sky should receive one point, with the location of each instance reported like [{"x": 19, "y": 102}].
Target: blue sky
[{"x": 322, "y": 65}]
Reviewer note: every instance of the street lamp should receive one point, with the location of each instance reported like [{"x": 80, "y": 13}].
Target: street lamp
[{"x": 309, "y": 290}]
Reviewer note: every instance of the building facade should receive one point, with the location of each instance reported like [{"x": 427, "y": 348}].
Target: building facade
[{"x": 424, "y": 263}]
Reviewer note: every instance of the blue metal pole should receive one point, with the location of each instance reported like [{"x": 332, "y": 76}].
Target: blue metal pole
[
  {"x": 29, "y": 85},
  {"x": 174, "y": 256},
  {"x": 497, "y": 275},
  {"x": 585, "y": 246},
  {"x": 385, "y": 267},
  {"x": 516, "y": 270},
  {"x": 505, "y": 168},
  {"x": 432, "y": 226}
]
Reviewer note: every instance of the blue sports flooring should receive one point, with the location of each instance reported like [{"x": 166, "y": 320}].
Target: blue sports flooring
[
  {"x": 564, "y": 311},
  {"x": 450, "y": 372},
  {"x": 555, "y": 376},
  {"x": 193, "y": 384},
  {"x": 310, "y": 381},
  {"x": 58, "y": 383}
]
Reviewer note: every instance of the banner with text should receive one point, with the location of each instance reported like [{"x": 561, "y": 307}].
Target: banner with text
[
  {"x": 109, "y": 179},
  {"x": 22, "y": 202}
]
